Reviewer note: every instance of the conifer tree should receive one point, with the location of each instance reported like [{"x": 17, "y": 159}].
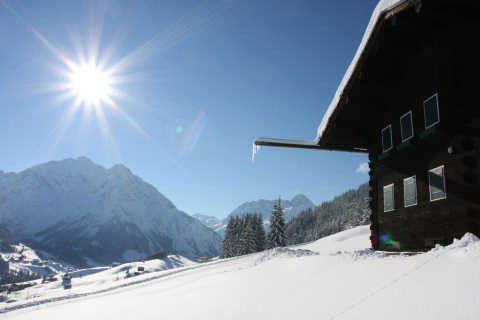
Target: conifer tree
[
  {"x": 259, "y": 233},
  {"x": 242, "y": 247},
  {"x": 276, "y": 236},
  {"x": 225, "y": 241},
  {"x": 228, "y": 240},
  {"x": 237, "y": 233},
  {"x": 243, "y": 235},
  {"x": 249, "y": 231}
]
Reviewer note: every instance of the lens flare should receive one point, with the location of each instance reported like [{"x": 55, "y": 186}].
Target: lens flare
[
  {"x": 192, "y": 135},
  {"x": 388, "y": 241}
]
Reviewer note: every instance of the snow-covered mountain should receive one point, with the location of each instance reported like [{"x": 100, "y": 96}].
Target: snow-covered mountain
[
  {"x": 264, "y": 207},
  {"x": 87, "y": 215},
  {"x": 291, "y": 208},
  {"x": 210, "y": 221},
  {"x": 7, "y": 238}
]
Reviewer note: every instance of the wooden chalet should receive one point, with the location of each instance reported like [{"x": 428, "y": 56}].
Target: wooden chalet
[{"x": 408, "y": 99}]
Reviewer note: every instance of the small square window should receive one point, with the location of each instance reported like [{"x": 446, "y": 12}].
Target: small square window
[
  {"x": 432, "y": 115},
  {"x": 387, "y": 138},
  {"x": 406, "y": 126},
  {"x": 388, "y": 203},
  {"x": 410, "y": 191},
  {"x": 436, "y": 178}
]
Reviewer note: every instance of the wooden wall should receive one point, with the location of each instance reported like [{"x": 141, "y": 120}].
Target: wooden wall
[{"x": 443, "y": 63}]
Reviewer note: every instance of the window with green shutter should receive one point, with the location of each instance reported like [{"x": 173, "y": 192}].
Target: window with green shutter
[
  {"x": 430, "y": 108},
  {"x": 406, "y": 126},
  {"x": 410, "y": 191},
  {"x": 387, "y": 138},
  {"x": 388, "y": 203},
  {"x": 436, "y": 178}
]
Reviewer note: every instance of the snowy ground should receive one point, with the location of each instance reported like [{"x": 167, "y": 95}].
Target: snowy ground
[
  {"x": 333, "y": 278},
  {"x": 24, "y": 258}
]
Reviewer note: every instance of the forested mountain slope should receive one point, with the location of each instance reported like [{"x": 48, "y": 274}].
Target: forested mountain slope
[{"x": 343, "y": 212}]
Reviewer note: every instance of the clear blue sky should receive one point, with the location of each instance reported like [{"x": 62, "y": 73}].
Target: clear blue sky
[{"x": 195, "y": 83}]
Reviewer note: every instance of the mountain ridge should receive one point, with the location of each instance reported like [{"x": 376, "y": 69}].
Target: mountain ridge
[
  {"x": 343, "y": 212},
  {"x": 83, "y": 212},
  {"x": 264, "y": 207}
]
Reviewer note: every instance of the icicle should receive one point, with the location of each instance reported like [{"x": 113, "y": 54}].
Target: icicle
[{"x": 256, "y": 148}]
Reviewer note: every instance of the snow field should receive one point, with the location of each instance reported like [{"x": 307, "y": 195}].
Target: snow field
[{"x": 336, "y": 277}]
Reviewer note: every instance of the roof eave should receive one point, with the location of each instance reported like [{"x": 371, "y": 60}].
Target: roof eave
[
  {"x": 305, "y": 144},
  {"x": 302, "y": 144}
]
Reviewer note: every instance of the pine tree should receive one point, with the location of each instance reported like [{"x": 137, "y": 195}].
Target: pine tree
[
  {"x": 242, "y": 247},
  {"x": 237, "y": 236},
  {"x": 276, "y": 236},
  {"x": 243, "y": 235},
  {"x": 259, "y": 233},
  {"x": 249, "y": 232},
  {"x": 227, "y": 249}
]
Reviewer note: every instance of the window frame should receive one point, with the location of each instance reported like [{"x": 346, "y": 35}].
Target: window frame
[
  {"x": 430, "y": 185},
  {"x": 411, "y": 124},
  {"x": 393, "y": 197},
  {"x": 425, "y": 112},
  {"x": 391, "y": 138},
  {"x": 416, "y": 192}
]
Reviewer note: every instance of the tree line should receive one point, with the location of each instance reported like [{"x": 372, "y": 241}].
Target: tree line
[{"x": 246, "y": 234}]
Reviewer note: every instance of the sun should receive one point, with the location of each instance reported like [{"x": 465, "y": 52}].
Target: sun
[{"x": 90, "y": 84}]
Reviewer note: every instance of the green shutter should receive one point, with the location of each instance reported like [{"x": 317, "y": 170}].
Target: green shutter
[
  {"x": 437, "y": 183},
  {"x": 430, "y": 107},
  {"x": 410, "y": 191},
  {"x": 388, "y": 204}
]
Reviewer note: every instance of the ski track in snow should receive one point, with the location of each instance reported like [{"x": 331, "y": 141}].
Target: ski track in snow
[{"x": 383, "y": 287}]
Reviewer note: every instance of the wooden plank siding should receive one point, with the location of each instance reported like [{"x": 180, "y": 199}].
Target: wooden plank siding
[{"x": 442, "y": 64}]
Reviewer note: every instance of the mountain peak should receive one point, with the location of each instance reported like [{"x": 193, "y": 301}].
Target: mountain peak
[
  {"x": 80, "y": 162},
  {"x": 84, "y": 159},
  {"x": 300, "y": 198},
  {"x": 119, "y": 168},
  {"x": 292, "y": 207},
  {"x": 108, "y": 214}
]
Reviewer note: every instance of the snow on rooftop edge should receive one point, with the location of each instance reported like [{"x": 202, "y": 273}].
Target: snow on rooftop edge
[{"x": 382, "y": 7}]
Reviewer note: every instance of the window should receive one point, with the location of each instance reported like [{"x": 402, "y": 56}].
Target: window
[
  {"x": 436, "y": 178},
  {"x": 410, "y": 191},
  {"x": 430, "y": 107},
  {"x": 406, "y": 126},
  {"x": 388, "y": 198},
  {"x": 387, "y": 138}
]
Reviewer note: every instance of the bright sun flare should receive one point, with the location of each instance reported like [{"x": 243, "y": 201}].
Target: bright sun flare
[{"x": 90, "y": 84}]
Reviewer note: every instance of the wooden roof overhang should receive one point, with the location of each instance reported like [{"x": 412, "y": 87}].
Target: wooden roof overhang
[{"x": 394, "y": 39}]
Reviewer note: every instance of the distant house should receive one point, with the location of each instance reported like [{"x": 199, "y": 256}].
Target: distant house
[{"x": 409, "y": 100}]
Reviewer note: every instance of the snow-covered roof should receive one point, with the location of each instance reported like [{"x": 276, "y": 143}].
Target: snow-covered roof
[{"x": 382, "y": 7}]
